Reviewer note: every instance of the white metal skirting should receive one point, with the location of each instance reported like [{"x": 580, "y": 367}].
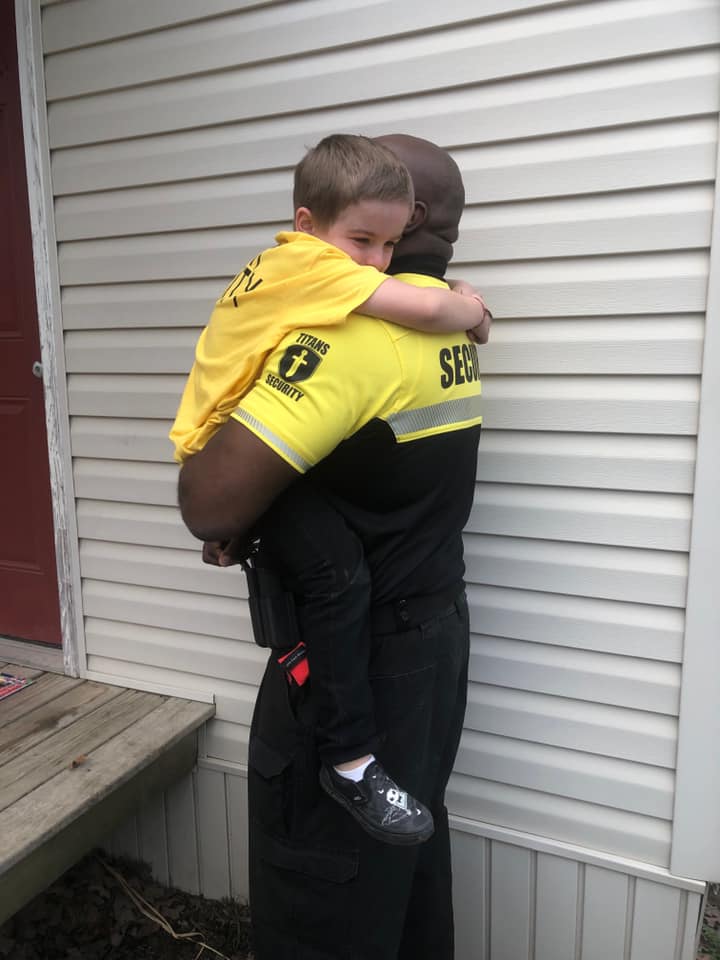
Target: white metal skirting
[{"x": 515, "y": 895}]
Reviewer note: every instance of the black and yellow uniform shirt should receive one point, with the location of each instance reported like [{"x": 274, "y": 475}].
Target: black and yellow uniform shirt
[
  {"x": 302, "y": 280},
  {"x": 390, "y": 419}
]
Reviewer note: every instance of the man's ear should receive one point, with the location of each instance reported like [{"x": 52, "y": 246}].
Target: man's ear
[
  {"x": 304, "y": 220},
  {"x": 417, "y": 219}
]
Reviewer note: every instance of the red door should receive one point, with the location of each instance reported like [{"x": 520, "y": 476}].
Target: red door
[{"x": 28, "y": 579}]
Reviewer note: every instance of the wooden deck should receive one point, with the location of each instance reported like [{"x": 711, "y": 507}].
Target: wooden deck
[{"x": 76, "y": 758}]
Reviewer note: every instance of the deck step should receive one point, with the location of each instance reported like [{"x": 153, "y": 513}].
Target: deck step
[{"x": 76, "y": 759}]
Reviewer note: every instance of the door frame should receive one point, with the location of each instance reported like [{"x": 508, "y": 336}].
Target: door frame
[{"x": 52, "y": 355}]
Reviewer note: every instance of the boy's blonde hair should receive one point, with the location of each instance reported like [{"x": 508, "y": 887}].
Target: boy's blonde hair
[{"x": 344, "y": 169}]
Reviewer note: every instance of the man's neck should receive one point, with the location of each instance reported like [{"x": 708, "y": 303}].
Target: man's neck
[{"x": 425, "y": 264}]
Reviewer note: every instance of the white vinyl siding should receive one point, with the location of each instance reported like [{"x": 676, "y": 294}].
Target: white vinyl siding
[{"x": 587, "y": 137}]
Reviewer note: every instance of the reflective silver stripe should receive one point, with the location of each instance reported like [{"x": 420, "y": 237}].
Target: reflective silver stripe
[
  {"x": 443, "y": 414},
  {"x": 272, "y": 438}
]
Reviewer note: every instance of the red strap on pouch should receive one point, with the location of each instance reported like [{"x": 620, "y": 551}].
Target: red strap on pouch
[{"x": 295, "y": 664}]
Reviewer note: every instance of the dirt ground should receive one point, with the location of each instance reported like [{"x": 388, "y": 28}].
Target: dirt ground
[
  {"x": 710, "y": 939},
  {"x": 88, "y": 915}
]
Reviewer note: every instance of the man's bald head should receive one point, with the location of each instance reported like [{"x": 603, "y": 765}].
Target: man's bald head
[{"x": 439, "y": 196}]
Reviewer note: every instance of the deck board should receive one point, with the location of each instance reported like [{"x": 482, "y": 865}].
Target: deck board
[
  {"x": 126, "y": 744},
  {"x": 45, "y": 689},
  {"x": 43, "y": 723},
  {"x": 91, "y": 730}
]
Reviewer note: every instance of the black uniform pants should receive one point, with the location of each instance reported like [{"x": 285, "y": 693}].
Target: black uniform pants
[{"x": 320, "y": 887}]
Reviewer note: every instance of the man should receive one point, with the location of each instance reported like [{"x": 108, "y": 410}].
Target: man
[{"x": 392, "y": 427}]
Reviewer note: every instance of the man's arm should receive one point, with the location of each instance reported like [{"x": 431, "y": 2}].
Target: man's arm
[{"x": 226, "y": 487}]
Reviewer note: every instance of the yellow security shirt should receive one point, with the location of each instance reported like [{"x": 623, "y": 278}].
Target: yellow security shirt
[
  {"x": 302, "y": 281},
  {"x": 321, "y": 386}
]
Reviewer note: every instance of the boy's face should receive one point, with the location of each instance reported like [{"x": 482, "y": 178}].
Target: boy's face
[{"x": 367, "y": 231}]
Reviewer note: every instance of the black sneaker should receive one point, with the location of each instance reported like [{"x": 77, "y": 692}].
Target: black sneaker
[{"x": 381, "y": 808}]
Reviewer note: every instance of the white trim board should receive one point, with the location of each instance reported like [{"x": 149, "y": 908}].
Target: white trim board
[
  {"x": 571, "y": 851},
  {"x": 696, "y": 821},
  {"x": 47, "y": 286},
  {"x": 166, "y": 689},
  {"x": 527, "y": 841}
]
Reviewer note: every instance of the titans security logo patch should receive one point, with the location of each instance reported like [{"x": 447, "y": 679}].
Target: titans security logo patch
[{"x": 298, "y": 363}]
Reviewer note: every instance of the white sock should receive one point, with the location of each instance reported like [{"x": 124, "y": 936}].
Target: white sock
[{"x": 356, "y": 774}]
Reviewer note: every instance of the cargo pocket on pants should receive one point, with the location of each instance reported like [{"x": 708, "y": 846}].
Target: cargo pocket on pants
[{"x": 301, "y": 894}]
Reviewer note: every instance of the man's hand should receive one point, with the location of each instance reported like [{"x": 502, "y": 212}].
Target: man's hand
[
  {"x": 226, "y": 487},
  {"x": 227, "y": 553}
]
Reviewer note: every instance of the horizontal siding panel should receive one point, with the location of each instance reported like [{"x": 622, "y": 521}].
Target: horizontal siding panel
[
  {"x": 649, "y": 155},
  {"x": 655, "y": 464},
  {"x": 658, "y": 464},
  {"x": 229, "y": 661},
  {"x": 130, "y": 351},
  {"x": 647, "y": 345},
  {"x": 624, "y": 733},
  {"x": 256, "y": 198},
  {"x": 682, "y": 89},
  {"x": 92, "y": 21},
  {"x": 133, "y": 523},
  {"x": 174, "y": 256},
  {"x": 657, "y": 405},
  {"x": 150, "y": 396},
  {"x": 234, "y": 709},
  {"x": 603, "y": 286},
  {"x": 590, "y": 825},
  {"x": 128, "y": 482},
  {"x": 278, "y": 29},
  {"x": 159, "y": 567},
  {"x": 168, "y": 609},
  {"x": 622, "y": 518},
  {"x": 606, "y": 626},
  {"x": 140, "y": 305},
  {"x": 599, "y": 286},
  {"x": 621, "y": 784},
  {"x": 628, "y": 223},
  {"x": 660, "y": 405},
  {"x": 577, "y": 674},
  {"x": 658, "y": 345},
  {"x": 442, "y": 60},
  {"x": 121, "y": 439},
  {"x": 227, "y": 741},
  {"x": 608, "y": 572}
]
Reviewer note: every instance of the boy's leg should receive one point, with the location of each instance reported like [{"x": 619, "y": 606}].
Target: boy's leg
[{"x": 308, "y": 544}]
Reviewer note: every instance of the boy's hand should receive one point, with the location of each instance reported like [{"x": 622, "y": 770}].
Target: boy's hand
[{"x": 480, "y": 333}]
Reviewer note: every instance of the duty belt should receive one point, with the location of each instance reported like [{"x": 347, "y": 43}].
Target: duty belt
[{"x": 398, "y": 615}]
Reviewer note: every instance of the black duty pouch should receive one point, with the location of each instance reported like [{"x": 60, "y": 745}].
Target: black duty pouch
[{"x": 272, "y": 608}]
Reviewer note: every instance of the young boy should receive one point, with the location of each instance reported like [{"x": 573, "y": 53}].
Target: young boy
[{"x": 352, "y": 201}]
